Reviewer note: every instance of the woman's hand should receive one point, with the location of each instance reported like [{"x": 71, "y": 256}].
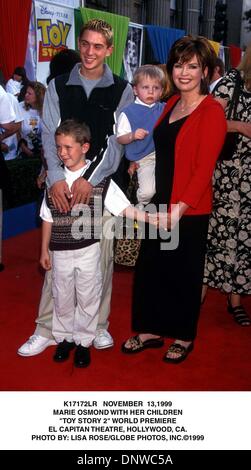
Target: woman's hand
[
  {"x": 167, "y": 220},
  {"x": 161, "y": 220}
]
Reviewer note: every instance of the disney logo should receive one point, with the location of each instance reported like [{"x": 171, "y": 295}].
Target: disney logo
[{"x": 45, "y": 11}]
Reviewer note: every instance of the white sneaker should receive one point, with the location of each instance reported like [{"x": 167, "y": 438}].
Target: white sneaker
[
  {"x": 35, "y": 345},
  {"x": 103, "y": 340}
]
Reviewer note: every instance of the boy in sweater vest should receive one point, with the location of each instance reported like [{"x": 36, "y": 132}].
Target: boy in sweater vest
[
  {"x": 74, "y": 255},
  {"x": 135, "y": 128},
  {"x": 70, "y": 247}
]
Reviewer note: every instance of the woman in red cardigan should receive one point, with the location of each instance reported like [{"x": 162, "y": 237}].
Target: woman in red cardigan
[{"x": 188, "y": 139}]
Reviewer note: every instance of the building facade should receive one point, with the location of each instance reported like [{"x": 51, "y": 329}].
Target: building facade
[
  {"x": 245, "y": 35},
  {"x": 194, "y": 16}
]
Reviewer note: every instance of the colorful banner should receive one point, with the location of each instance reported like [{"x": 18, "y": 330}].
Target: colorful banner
[
  {"x": 54, "y": 31},
  {"x": 162, "y": 39},
  {"x": 216, "y": 46}
]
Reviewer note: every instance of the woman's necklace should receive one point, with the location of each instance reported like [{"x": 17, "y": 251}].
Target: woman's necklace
[{"x": 184, "y": 107}]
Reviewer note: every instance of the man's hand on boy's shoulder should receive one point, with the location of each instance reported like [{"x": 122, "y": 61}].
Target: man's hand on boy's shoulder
[
  {"x": 61, "y": 195},
  {"x": 81, "y": 191}
]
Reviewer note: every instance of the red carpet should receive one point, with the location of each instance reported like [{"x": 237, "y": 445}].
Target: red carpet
[{"x": 221, "y": 359}]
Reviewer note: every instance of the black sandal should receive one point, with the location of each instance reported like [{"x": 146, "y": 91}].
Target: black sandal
[
  {"x": 181, "y": 351},
  {"x": 137, "y": 345},
  {"x": 240, "y": 315}
]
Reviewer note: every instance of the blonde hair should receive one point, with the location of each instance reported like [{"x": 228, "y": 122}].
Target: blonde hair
[
  {"x": 245, "y": 67},
  {"x": 99, "y": 26},
  {"x": 167, "y": 88},
  {"x": 151, "y": 71}
]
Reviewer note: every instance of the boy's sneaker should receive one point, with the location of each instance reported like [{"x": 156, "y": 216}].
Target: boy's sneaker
[
  {"x": 35, "y": 345},
  {"x": 103, "y": 340}
]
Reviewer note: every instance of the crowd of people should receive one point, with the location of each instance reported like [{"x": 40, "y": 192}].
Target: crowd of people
[{"x": 171, "y": 125}]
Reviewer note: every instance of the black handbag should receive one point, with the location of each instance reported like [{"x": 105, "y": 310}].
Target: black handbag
[{"x": 231, "y": 139}]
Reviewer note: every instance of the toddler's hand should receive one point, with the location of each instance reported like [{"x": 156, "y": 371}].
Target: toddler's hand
[
  {"x": 132, "y": 168},
  {"x": 140, "y": 134}
]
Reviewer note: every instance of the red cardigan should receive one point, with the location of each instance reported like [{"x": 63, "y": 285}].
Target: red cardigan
[{"x": 197, "y": 147}]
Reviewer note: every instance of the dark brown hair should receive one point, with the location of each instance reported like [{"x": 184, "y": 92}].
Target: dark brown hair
[
  {"x": 221, "y": 66},
  {"x": 184, "y": 49},
  {"x": 78, "y": 130},
  {"x": 21, "y": 72},
  {"x": 63, "y": 62}
]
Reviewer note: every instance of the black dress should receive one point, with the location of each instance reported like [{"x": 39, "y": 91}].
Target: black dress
[{"x": 168, "y": 283}]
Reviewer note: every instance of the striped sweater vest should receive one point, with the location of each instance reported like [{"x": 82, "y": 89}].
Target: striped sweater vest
[{"x": 82, "y": 225}]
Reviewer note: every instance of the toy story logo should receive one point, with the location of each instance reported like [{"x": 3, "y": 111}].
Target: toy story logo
[
  {"x": 53, "y": 38},
  {"x": 54, "y": 31}
]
